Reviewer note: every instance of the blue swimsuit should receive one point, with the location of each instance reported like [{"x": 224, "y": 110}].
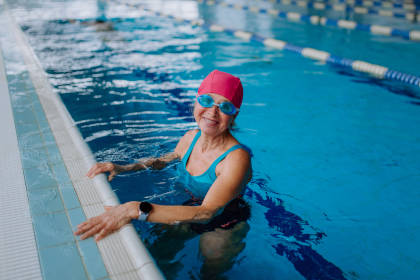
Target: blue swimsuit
[
  {"x": 200, "y": 184},
  {"x": 235, "y": 211}
]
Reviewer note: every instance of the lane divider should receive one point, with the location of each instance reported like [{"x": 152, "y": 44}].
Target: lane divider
[
  {"x": 342, "y": 7},
  {"x": 413, "y": 35},
  {"x": 374, "y": 70},
  {"x": 409, "y": 6}
]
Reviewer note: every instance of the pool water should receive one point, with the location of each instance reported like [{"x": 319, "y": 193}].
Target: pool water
[{"x": 336, "y": 155}]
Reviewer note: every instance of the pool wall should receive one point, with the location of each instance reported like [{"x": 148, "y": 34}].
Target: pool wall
[{"x": 47, "y": 136}]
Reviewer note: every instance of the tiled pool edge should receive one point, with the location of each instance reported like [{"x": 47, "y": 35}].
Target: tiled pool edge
[
  {"x": 54, "y": 207},
  {"x": 15, "y": 229},
  {"x": 123, "y": 253}
]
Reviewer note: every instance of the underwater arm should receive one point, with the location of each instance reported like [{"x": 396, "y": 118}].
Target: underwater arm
[
  {"x": 153, "y": 163},
  {"x": 115, "y": 169}
]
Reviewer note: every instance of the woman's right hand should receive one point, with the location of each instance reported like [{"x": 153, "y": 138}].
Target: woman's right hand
[{"x": 102, "y": 167}]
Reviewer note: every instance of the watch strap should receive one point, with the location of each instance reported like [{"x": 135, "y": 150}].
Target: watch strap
[{"x": 142, "y": 216}]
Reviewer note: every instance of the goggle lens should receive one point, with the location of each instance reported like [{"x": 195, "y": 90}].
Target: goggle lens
[
  {"x": 227, "y": 108},
  {"x": 205, "y": 101},
  {"x": 208, "y": 102}
]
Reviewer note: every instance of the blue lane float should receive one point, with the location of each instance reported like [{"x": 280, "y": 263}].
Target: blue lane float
[
  {"x": 413, "y": 35},
  {"x": 343, "y": 7},
  {"x": 367, "y": 4},
  {"x": 374, "y": 70},
  {"x": 409, "y": 6}
]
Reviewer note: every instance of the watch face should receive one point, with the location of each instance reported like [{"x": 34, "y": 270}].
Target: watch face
[{"x": 145, "y": 207}]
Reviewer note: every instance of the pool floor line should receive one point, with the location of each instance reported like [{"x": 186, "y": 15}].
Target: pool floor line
[
  {"x": 123, "y": 253},
  {"x": 374, "y": 70}
]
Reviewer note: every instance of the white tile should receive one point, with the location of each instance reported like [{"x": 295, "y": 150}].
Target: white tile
[{"x": 86, "y": 191}]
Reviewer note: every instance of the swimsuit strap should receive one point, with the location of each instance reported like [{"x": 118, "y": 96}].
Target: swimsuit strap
[
  {"x": 212, "y": 168},
  {"x": 187, "y": 154}
]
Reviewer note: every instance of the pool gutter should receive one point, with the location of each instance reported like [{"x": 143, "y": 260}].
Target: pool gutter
[{"x": 123, "y": 253}]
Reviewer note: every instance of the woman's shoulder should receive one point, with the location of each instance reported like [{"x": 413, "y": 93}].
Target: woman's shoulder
[
  {"x": 245, "y": 149},
  {"x": 241, "y": 153},
  {"x": 189, "y": 136},
  {"x": 185, "y": 142},
  {"x": 191, "y": 133},
  {"x": 240, "y": 148},
  {"x": 237, "y": 159},
  {"x": 238, "y": 152}
]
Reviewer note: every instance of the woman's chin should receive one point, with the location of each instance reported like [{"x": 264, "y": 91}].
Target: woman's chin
[{"x": 209, "y": 129}]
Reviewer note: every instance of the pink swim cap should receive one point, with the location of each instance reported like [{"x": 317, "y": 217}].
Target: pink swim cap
[{"x": 223, "y": 84}]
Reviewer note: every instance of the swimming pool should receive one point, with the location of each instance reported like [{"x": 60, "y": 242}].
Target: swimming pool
[{"x": 336, "y": 154}]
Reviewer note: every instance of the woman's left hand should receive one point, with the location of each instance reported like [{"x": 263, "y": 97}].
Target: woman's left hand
[{"x": 108, "y": 222}]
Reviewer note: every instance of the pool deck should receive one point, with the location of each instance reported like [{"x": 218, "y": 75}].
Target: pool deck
[{"x": 44, "y": 190}]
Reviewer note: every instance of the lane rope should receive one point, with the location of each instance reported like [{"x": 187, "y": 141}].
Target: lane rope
[
  {"x": 377, "y": 71},
  {"x": 342, "y": 7},
  {"x": 413, "y": 35},
  {"x": 409, "y": 6}
]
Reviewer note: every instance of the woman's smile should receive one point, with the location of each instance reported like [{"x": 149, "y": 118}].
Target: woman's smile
[{"x": 210, "y": 122}]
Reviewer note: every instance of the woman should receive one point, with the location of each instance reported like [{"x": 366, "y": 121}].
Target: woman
[{"x": 216, "y": 167}]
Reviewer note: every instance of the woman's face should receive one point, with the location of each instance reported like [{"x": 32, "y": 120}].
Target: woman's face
[{"x": 211, "y": 120}]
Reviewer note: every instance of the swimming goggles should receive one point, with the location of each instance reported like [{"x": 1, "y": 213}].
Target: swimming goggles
[{"x": 226, "y": 107}]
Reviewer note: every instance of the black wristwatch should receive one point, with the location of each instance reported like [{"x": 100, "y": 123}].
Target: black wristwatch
[{"x": 144, "y": 210}]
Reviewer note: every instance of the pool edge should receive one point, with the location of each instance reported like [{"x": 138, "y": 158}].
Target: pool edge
[
  {"x": 15, "y": 229},
  {"x": 75, "y": 153}
]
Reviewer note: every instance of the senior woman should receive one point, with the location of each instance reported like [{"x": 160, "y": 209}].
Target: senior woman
[{"x": 215, "y": 166}]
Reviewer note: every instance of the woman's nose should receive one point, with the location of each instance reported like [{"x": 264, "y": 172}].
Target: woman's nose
[{"x": 214, "y": 109}]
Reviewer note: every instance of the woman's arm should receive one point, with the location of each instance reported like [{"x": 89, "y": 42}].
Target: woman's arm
[
  {"x": 115, "y": 169},
  {"x": 154, "y": 163},
  {"x": 228, "y": 185}
]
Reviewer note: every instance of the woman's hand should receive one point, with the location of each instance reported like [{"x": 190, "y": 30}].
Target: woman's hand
[
  {"x": 102, "y": 167},
  {"x": 110, "y": 221}
]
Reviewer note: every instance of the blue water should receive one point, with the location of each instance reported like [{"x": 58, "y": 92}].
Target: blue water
[{"x": 336, "y": 159}]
